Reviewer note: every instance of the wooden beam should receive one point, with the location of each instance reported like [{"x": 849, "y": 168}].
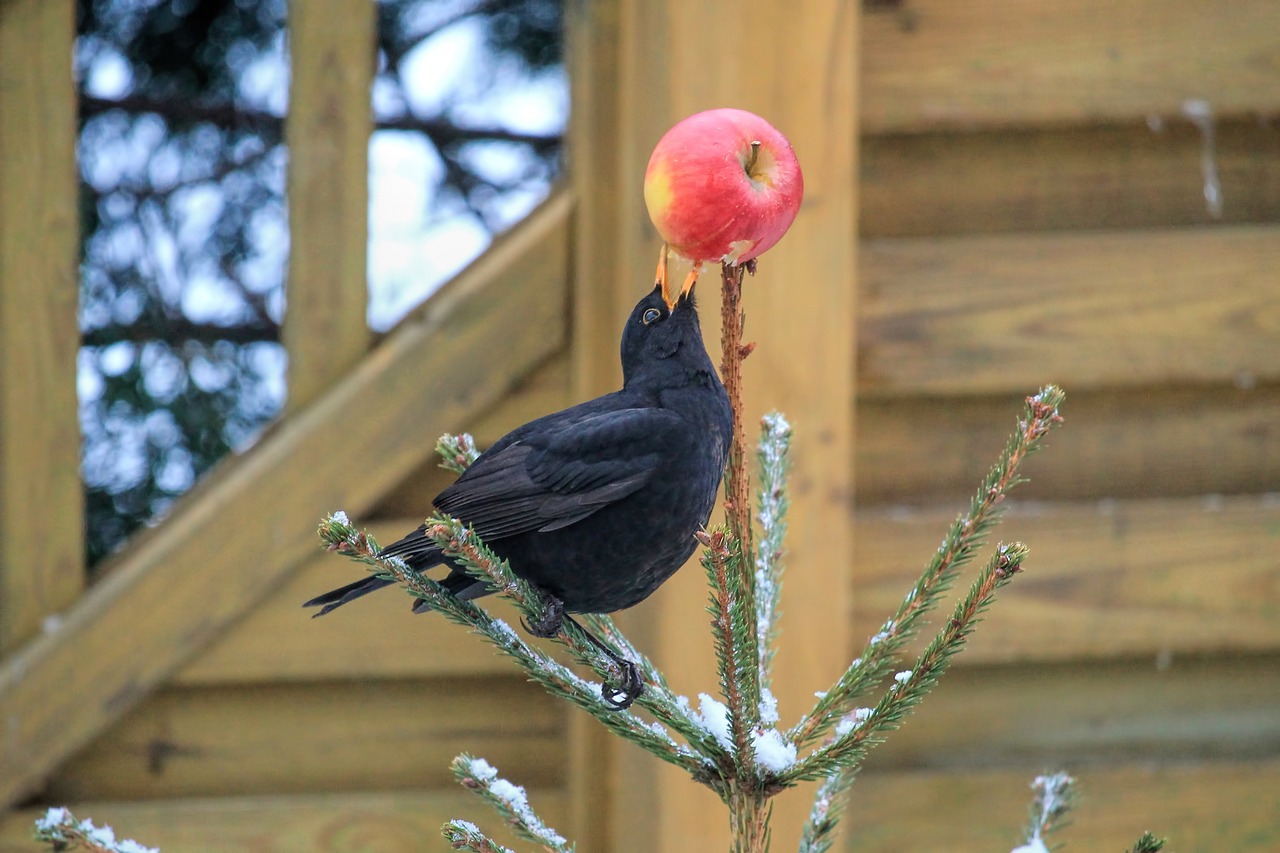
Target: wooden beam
[
  {"x": 796, "y": 66},
  {"x": 325, "y": 823},
  {"x": 932, "y": 63},
  {"x": 1198, "y": 806},
  {"x": 305, "y": 738},
  {"x": 1104, "y": 579},
  {"x": 1125, "y": 443},
  {"x": 1083, "y": 713},
  {"x": 41, "y": 499},
  {"x": 1122, "y": 176},
  {"x": 378, "y": 639},
  {"x": 331, "y": 56},
  {"x": 993, "y": 314},
  {"x": 236, "y": 537}
]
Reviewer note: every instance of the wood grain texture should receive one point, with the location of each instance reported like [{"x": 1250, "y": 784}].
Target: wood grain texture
[
  {"x": 675, "y": 59},
  {"x": 931, "y": 63},
  {"x": 236, "y": 537},
  {"x": 315, "y": 823},
  {"x": 1200, "y": 807},
  {"x": 1129, "y": 443},
  {"x": 378, "y": 638},
  {"x": 304, "y": 738},
  {"x": 331, "y": 54},
  {"x": 1083, "y": 714},
  {"x": 992, "y": 314},
  {"x": 1107, "y": 579},
  {"x": 1125, "y": 176},
  {"x": 41, "y": 499}
]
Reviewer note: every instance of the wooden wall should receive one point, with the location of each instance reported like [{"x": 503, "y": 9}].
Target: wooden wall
[{"x": 1030, "y": 207}]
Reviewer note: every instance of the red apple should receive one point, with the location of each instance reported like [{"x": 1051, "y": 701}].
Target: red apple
[{"x": 723, "y": 185}]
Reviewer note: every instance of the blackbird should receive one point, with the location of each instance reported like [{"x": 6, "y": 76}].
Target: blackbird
[{"x": 598, "y": 504}]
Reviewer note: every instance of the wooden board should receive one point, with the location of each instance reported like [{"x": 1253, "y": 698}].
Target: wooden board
[
  {"x": 1200, "y": 807},
  {"x": 1125, "y": 176},
  {"x": 41, "y": 499},
  {"x": 931, "y": 63},
  {"x": 331, "y": 53},
  {"x": 233, "y": 539},
  {"x": 347, "y": 736},
  {"x": 1009, "y": 313},
  {"x": 378, "y": 637},
  {"x": 317, "y": 823},
  {"x": 672, "y": 59},
  {"x": 1091, "y": 714},
  {"x": 1106, "y": 579},
  {"x": 1131, "y": 443}
]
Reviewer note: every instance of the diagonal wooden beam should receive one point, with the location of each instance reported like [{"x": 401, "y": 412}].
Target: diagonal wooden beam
[{"x": 241, "y": 533}]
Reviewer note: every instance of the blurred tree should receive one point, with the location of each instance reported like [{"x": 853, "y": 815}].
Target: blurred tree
[{"x": 185, "y": 235}]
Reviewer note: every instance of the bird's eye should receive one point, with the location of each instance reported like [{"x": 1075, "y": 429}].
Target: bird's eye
[{"x": 651, "y": 316}]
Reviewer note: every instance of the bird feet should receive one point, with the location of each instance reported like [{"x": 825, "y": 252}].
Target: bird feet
[
  {"x": 618, "y": 694},
  {"x": 551, "y": 621}
]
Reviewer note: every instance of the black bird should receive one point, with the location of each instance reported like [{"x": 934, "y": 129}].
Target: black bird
[{"x": 598, "y": 504}]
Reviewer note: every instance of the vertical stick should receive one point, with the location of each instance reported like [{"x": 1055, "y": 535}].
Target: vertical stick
[
  {"x": 331, "y": 45},
  {"x": 41, "y": 498}
]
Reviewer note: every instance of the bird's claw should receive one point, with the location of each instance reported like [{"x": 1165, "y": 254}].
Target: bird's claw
[
  {"x": 551, "y": 621},
  {"x": 620, "y": 696}
]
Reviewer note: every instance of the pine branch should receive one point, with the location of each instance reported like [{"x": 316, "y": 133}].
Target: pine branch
[
  {"x": 1055, "y": 796},
  {"x": 62, "y": 831},
  {"x": 773, "y": 503},
  {"x": 966, "y": 535},
  {"x": 910, "y": 686},
  {"x": 465, "y": 835},
  {"x": 731, "y": 562},
  {"x": 338, "y": 534},
  {"x": 456, "y": 452},
  {"x": 828, "y": 805},
  {"x": 1148, "y": 843},
  {"x": 510, "y": 801}
]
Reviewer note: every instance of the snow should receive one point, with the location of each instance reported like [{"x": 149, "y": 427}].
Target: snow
[
  {"x": 903, "y": 677},
  {"x": 768, "y": 706},
  {"x": 772, "y": 751},
  {"x": 55, "y": 816},
  {"x": 340, "y": 517},
  {"x": 713, "y": 717},
  {"x": 853, "y": 720},
  {"x": 1035, "y": 845},
  {"x": 464, "y": 825},
  {"x": 482, "y": 770},
  {"x": 514, "y": 798}
]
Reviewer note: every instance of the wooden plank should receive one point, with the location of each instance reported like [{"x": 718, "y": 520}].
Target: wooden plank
[
  {"x": 545, "y": 390},
  {"x": 992, "y": 314},
  {"x": 1201, "y": 808},
  {"x": 931, "y": 63},
  {"x": 340, "y": 823},
  {"x": 303, "y": 738},
  {"x": 1109, "y": 579},
  {"x": 1129, "y": 443},
  {"x": 41, "y": 499},
  {"x": 331, "y": 57},
  {"x": 1106, "y": 579},
  {"x": 1060, "y": 178},
  {"x": 237, "y": 536},
  {"x": 677, "y": 58},
  {"x": 379, "y": 638},
  {"x": 1091, "y": 714}
]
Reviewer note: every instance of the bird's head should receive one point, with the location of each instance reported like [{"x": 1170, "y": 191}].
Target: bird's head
[{"x": 663, "y": 339}]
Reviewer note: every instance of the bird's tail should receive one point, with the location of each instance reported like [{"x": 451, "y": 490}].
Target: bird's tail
[{"x": 337, "y": 597}]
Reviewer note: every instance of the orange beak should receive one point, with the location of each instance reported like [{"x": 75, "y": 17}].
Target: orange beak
[{"x": 664, "y": 281}]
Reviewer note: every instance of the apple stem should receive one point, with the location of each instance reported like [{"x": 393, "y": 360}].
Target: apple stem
[{"x": 755, "y": 154}]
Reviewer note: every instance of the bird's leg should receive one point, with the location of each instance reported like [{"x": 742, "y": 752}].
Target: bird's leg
[
  {"x": 552, "y": 619},
  {"x": 631, "y": 685}
]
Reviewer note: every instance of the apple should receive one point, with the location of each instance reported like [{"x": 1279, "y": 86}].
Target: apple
[{"x": 723, "y": 185}]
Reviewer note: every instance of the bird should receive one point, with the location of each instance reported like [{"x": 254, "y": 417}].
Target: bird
[{"x": 599, "y": 504}]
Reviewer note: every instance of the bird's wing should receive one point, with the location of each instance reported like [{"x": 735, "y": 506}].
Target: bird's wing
[{"x": 559, "y": 475}]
